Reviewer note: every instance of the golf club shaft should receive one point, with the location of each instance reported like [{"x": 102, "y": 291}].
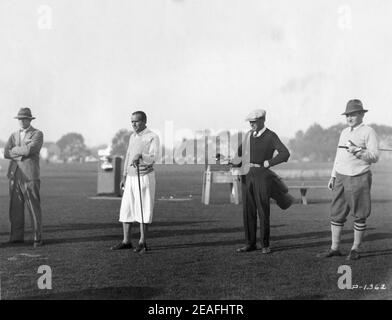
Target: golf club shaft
[{"x": 383, "y": 149}]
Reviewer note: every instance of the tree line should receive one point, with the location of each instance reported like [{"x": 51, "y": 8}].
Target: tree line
[
  {"x": 319, "y": 144},
  {"x": 71, "y": 147},
  {"x": 314, "y": 144}
]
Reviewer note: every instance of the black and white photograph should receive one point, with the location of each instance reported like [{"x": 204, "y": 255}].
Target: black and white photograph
[{"x": 195, "y": 155}]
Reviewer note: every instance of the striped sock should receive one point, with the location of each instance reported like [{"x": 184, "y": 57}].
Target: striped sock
[
  {"x": 336, "y": 230},
  {"x": 359, "y": 231}
]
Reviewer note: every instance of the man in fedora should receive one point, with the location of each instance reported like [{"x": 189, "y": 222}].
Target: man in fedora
[
  {"x": 259, "y": 184},
  {"x": 23, "y": 149},
  {"x": 351, "y": 178}
]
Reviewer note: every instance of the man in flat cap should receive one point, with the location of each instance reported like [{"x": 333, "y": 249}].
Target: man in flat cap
[
  {"x": 256, "y": 156},
  {"x": 23, "y": 149},
  {"x": 351, "y": 178}
]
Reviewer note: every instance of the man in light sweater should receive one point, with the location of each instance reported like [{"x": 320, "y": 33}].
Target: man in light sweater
[
  {"x": 143, "y": 151},
  {"x": 351, "y": 178}
]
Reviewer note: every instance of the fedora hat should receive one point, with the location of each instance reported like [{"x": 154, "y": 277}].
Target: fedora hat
[
  {"x": 354, "y": 105},
  {"x": 24, "y": 113}
]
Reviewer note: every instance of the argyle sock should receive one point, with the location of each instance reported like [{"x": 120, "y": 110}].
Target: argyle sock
[
  {"x": 359, "y": 232},
  {"x": 336, "y": 230}
]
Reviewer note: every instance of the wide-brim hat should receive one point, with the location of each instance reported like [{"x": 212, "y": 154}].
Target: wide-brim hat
[
  {"x": 24, "y": 113},
  {"x": 255, "y": 114},
  {"x": 354, "y": 105}
]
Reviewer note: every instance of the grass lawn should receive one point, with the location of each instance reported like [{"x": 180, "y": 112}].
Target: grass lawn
[{"x": 192, "y": 246}]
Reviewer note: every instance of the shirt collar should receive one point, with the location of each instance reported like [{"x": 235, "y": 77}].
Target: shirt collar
[
  {"x": 142, "y": 132},
  {"x": 25, "y": 130},
  {"x": 259, "y": 133},
  {"x": 357, "y": 127}
]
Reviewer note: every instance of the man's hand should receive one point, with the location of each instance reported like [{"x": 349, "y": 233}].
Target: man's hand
[
  {"x": 331, "y": 183},
  {"x": 27, "y": 141},
  {"x": 230, "y": 164},
  {"x": 354, "y": 150},
  {"x": 122, "y": 183},
  {"x": 136, "y": 159},
  {"x": 266, "y": 164}
]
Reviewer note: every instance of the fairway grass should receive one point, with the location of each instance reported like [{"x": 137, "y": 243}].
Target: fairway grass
[{"x": 192, "y": 245}]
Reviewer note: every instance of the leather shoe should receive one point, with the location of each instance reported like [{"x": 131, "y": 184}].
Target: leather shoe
[
  {"x": 141, "y": 247},
  {"x": 266, "y": 250},
  {"x": 353, "y": 255},
  {"x": 330, "y": 253},
  {"x": 246, "y": 249},
  {"x": 122, "y": 246},
  {"x": 15, "y": 242}
]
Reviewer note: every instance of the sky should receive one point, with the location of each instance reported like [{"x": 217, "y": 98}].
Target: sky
[{"x": 85, "y": 65}]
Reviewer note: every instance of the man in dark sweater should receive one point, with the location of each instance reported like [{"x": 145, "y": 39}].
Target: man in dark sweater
[{"x": 256, "y": 156}]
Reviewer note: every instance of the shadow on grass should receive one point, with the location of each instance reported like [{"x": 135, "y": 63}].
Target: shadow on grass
[
  {"x": 312, "y": 235},
  {"x": 112, "y": 225},
  {"x": 110, "y": 293},
  {"x": 368, "y": 238},
  {"x": 29, "y": 243},
  {"x": 93, "y": 226},
  {"x": 308, "y": 236},
  {"x": 191, "y": 232},
  {"x": 377, "y": 253},
  {"x": 313, "y": 201},
  {"x": 151, "y": 234}
]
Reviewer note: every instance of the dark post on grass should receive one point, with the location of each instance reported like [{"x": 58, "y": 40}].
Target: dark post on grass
[{"x": 109, "y": 176}]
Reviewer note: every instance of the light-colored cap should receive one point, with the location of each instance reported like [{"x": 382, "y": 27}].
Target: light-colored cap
[{"x": 255, "y": 114}]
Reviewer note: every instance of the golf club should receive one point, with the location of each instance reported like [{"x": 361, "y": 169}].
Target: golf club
[
  {"x": 345, "y": 147},
  {"x": 140, "y": 194}
]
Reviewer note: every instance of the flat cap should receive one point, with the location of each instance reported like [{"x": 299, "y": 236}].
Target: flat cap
[{"x": 255, "y": 114}]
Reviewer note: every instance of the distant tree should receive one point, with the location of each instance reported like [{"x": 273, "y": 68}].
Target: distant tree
[
  {"x": 316, "y": 143},
  {"x": 72, "y": 147},
  {"x": 297, "y": 145},
  {"x": 384, "y": 133},
  {"x": 332, "y": 135},
  {"x": 315, "y": 140},
  {"x": 382, "y": 130},
  {"x": 309, "y": 144},
  {"x": 120, "y": 142},
  {"x": 385, "y": 138},
  {"x": 53, "y": 149}
]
